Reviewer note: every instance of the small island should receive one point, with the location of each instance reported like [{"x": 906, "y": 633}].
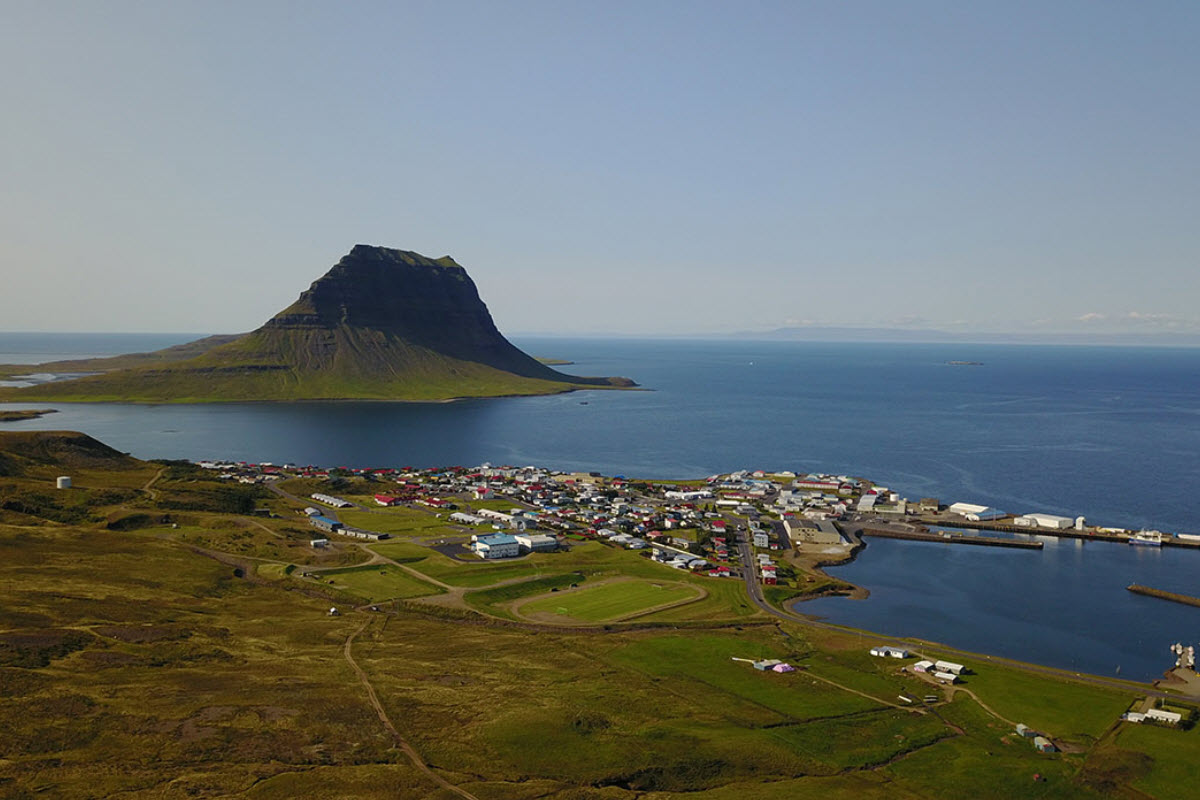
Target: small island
[{"x": 24, "y": 414}]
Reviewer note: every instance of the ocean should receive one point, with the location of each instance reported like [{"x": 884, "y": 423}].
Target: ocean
[{"x": 1109, "y": 433}]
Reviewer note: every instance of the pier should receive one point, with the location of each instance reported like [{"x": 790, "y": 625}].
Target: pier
[
  {"x": 885, "y": 533},
  {"x": 1088, "y": 534},
  {"x": 1174, "y": 597}
]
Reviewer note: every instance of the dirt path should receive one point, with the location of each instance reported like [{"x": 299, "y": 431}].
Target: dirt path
[
  {"x": 404, "y": 746},
  {"x": 153, "y": 493}
]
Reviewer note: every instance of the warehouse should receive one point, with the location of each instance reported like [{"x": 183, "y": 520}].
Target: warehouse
[
  {"x": 1044, "y": 521},
  {"x": 497, "y": 545}
]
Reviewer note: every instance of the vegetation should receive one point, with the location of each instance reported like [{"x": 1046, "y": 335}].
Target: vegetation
[
  {"x": 149, "y": 651},
  {"x": 610, "y": 601}
]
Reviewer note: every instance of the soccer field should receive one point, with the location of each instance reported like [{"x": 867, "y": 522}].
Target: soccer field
[{"x": 609, "y": 601}]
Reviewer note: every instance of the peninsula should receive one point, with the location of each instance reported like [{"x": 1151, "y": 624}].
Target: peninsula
[
  {"x": 177, "y": 629},
  {"x": 382, "y": 324}
]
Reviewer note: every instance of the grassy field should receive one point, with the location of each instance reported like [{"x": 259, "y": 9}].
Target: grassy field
[
  {"x": 1070, "y": 710},
  {"x": 609, "y": 601},
  {"x": 376, "y": 582},
  {"x": 398, "y": 521}
]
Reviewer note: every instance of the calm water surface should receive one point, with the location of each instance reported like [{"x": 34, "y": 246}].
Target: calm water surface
[{"x": 1109, "y": 433}]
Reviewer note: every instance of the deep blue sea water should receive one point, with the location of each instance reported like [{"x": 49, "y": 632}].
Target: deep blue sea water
[{"x": 1107, "y": 432}]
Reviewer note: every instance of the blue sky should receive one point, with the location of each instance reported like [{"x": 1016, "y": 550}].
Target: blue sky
[{"x": 630, "y": 167}]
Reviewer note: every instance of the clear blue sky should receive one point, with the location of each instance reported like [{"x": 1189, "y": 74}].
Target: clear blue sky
[{"x": 635, "y": 167}]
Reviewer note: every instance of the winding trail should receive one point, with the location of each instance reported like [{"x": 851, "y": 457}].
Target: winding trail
[{"x": 404, "y": 746}]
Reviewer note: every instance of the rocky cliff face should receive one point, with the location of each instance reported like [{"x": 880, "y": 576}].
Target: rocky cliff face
[{"x": 430, "y": 303}]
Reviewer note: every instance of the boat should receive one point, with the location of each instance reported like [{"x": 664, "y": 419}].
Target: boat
[{"x": 1151, "y": 538}]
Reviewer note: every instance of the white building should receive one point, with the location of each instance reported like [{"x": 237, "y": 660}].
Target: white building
[
  {"x": 1044, "y": 521},
  {"x": 976, "y": 513},
  {"x": 497, "y": 545},
  {"x": 535, "y": 542}
]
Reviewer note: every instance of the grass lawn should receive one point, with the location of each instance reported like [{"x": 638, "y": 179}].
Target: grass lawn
[
  {"x": 1173, "y": 754},
  {"x": 987, "y": 761},
  {"x": 397, "y": 522},
  {"x": 703, "y": 664},
  {"x": 610, "y": 601},
  {"x": 377, "y": 582},
  {"x": 1069, "y": 710}
]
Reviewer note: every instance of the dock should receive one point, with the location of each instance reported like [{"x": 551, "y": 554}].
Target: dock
[
  {"x": 985, "y": 541},
  {"x": 1174, "y": 597},
  {"x": 1089, "y": 534}
]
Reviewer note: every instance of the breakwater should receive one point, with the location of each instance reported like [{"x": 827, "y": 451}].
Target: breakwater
[
  {"x": 1174, "y": 597},
  {"x": 955, "y": 539},
  {"x": 1089, "y": 534}
]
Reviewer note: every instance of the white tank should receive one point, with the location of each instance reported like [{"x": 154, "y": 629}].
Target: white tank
[
  {"x": 1079, "y": 523},
  {"x": 63, "y": 482}
]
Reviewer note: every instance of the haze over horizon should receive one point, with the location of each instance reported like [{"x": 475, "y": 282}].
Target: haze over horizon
[{"x": 657, "y": 168}]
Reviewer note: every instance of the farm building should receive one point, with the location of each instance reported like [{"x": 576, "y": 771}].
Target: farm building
[
  {"x": 945, "y": 677},
  {"x": 922, "y": 666},
  {"x": 330, "y": 500},
  {"x": 1043, "y": 745},
  {"x": 1169, "y": 717},
  {"x": 387, "y": 500},
  {"x": 497, "y": 545},
  {"x": 887, "y": 651},
  {"x": 949, "y": 666},
  {"x": 463, "y": 518}
]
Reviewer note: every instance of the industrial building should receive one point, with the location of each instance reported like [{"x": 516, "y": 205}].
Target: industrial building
[
  {"x": 535, "y": 542},
  {"x": 976, "y": 513},
  {"x": 1044, "y": 521},
  {"x": 324, "y": 523},
  {"x": 497, "y": 545}
]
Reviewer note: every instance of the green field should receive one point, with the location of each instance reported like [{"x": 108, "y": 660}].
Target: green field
[
  {"x": 398, "y": 521},
  {"x": 609, "y": 601},
  {"x": 376, "y": 582},
  {"x": 1062, "y": 709}
]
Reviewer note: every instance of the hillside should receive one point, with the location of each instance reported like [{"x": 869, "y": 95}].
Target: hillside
[
  {"x": 167, "y": 634},
  {"x": 23, "y": 452},
  {"x": 382, "y": 324}
]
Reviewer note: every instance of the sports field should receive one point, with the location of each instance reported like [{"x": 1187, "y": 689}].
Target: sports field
[{"x": 610, "y": 601}]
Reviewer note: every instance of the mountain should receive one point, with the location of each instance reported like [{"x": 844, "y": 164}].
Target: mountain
[{"x": 382, "y": 324}]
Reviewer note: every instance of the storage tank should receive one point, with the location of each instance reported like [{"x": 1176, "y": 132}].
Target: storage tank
[
  {"x": 63, "y": 482},
  {"x": 1079, "y": 523}
]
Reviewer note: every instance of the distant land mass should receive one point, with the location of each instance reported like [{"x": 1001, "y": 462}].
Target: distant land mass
[
  {"x": 819, "y": 333},
  {"x": 382, "y": 324}
]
